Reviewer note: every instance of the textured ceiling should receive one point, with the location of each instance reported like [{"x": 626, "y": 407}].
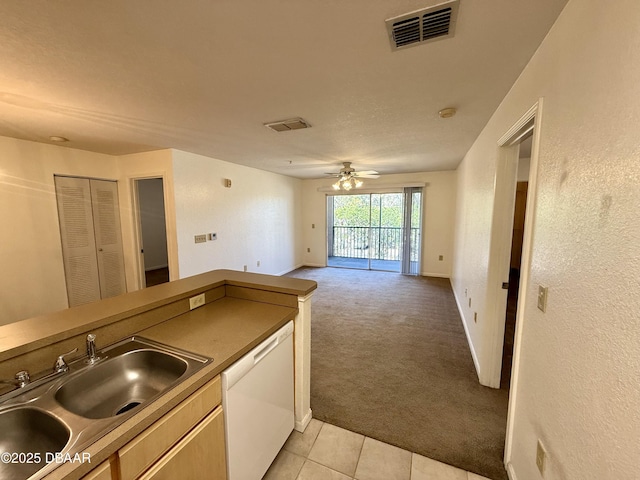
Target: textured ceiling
[{"x": 124, "y": 76}]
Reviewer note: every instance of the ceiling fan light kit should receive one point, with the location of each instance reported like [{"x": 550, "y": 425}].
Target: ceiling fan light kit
[
  {"x": 348, "y": 177},
  {"x": 347, "y": 183}
]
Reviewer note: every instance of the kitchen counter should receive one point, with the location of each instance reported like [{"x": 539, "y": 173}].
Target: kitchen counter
[
  {"x": 224, "y": 330},
  {"x": 240, "y": 311}
]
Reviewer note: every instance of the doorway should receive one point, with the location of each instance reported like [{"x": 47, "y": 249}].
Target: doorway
[
  {"x": 375, "y": 231},
  {"x": 517, "y": 237},
  {"x": 512, "y": 147},
  {"x": 152, "y": 227}
]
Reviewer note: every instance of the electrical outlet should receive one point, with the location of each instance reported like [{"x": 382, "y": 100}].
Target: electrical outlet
[
  {"x": 440, "y": 258},
  {"x": 542, "y": 297},
  {"x": 475, "y": 317},
  {"x": 245, "y": 268},
  {"x": 541, "y": 457},
  {"x": 197, "y": 301},
  {"x": 313, "y": 225},
  {"x": 258, "y": 262},
  {"x": 200, "y": 238},
  {"x": 469, "y": 302},
  {"x": 308, "y": 250}
]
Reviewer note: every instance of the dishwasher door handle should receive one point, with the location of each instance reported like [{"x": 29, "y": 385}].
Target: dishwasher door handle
[
  {"x": 252, "y": 358},
  {"x": 265, "y": 351}
]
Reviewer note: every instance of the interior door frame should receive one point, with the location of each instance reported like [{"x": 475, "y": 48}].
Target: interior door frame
[
  {"x": 509, "y": 146},
  {"x": 137, "y": 230}
]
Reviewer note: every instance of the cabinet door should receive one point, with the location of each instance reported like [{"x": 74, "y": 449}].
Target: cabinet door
[
  {"x": 198, "y": 456},
  {"x": 102, "y": 472},
  {"x": 148, "y": 447}
]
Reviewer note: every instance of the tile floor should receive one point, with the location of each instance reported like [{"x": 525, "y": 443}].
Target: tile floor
[{"x": 327, "y": 452}]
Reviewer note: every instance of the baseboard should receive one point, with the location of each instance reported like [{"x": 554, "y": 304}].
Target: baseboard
[
  {"x": 284, "y": 272},
  {"x": 511, "y": 472},
  {"x": 437, "y": 275},
  {"x": 466, "y": 331},
  {"x": 300, "y": 266},
  {"x": 302, "y": 424},
  {"x": 156, "y": 267}
]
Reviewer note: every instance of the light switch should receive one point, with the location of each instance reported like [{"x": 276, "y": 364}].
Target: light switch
[{"x": 542, "y": 297}]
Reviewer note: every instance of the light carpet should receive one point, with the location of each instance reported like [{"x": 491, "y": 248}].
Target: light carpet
[{"x": 390, "y": 360}]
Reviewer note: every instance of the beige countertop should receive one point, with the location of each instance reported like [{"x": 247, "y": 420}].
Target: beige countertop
[{"x": 225, "y": 330}]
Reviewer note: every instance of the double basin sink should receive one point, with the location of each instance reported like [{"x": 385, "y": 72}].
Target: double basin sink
[{"x": 44, "y": 424}]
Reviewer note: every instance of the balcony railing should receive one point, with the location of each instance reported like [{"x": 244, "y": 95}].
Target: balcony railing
[{"x": 377, "y": 243}]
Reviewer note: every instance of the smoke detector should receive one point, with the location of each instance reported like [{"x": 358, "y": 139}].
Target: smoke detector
[
  {"x": 447, "y": 112},
  {"x": 423, "y": 26}
]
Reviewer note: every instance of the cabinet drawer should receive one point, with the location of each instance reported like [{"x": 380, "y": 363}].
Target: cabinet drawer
[
  {"x": 141, "y": 452},
  {"x": 102, "y": 472},
  {"x": 198, "y": 456}
]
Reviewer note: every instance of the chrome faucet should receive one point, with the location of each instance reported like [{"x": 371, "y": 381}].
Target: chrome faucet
[
  {"x": 21, "y": 379},
  {"x": 91, "y": 349},
  {"x": 61, "y": 365}
]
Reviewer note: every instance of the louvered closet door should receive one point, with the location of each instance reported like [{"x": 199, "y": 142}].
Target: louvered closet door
[
  {"x": 91, "y": 238},
  {"x": 108, "y": 237},
  {"x": 78, "y": 241}
]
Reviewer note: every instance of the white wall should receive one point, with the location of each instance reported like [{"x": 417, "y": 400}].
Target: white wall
[
  {"x": 439, "y": 199},
  {"x": 257, "y": 219},
  {"x": 577, "y": 378},
  {"x": 32, "y": 281}
]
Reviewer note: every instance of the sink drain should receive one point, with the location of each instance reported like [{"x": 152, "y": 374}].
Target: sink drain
[{"x": 127, "y": 407}]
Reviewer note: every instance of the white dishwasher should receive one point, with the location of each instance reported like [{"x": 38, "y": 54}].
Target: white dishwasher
[{"x": 257, "y": 400}]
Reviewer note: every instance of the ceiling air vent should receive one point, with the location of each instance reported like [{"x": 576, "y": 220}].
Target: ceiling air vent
[
  {"x": 422, "y": 26},
  {"x": 286, "y": 125}
]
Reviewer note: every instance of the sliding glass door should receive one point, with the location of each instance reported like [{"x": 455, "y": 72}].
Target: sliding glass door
[{"x": 375, "y": 231}]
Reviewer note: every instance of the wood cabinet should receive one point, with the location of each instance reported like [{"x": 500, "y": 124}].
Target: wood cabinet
[
  {"x": 186, "y": 444},
  {"x": 147, "y": 448},
  {"x": 198, "y": 456},
  {"x": 102, "y": 472}
]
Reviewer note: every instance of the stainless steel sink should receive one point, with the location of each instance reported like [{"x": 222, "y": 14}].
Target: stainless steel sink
[
  {"x": 120, "y": 384},
  {"x": 29, "y": 434},
  {"x": 76, "y": 408}
]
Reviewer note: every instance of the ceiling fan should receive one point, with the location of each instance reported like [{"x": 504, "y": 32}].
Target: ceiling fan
[{"x": 348, "y": 178}]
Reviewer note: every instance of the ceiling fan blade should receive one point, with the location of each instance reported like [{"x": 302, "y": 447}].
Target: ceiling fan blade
[
  {"x": 367, "y": 176},
  {"x": 333, "y": 174},
  {"x": 366, "y": 172}
]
